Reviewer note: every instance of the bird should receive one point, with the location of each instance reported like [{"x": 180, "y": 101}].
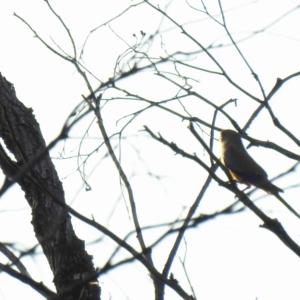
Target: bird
[{"x": 242, "y": 167}]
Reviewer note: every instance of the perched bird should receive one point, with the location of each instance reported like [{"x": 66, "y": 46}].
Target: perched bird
[
  {"x": 244, "y": 169},
  {"x": 241, "y": 165}
]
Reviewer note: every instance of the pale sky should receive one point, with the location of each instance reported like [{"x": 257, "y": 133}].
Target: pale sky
[{"x": 229, "y": 257}]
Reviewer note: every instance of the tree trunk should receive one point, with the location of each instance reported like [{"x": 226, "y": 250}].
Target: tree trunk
[{"x": 36, "y": 175}]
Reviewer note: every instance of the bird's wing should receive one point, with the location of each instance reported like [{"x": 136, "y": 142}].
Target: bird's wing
[{"x": 239, "y": 162}]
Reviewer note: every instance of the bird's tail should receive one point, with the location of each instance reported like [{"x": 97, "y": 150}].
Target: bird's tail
[{"x": 273, "y": 189}]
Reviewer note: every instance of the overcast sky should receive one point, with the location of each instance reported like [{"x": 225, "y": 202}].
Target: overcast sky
[{"x": 229, "y": 257}]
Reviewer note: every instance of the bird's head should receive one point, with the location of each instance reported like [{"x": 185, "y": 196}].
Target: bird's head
[{"x": 228, "y": 136}]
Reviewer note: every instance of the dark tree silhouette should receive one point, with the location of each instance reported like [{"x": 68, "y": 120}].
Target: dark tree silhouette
[
  {"x": 34, "y": 171},
  {"x": 125, "y": 110}
]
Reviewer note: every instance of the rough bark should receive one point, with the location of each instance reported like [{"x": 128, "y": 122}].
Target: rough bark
[{"x": 66, "y": 254}]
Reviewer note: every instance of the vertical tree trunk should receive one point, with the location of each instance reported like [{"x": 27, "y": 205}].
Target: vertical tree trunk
[{"x": 66, "y": 254}]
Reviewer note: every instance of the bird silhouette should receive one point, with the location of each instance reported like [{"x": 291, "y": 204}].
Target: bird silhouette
[{"x": 244, "y": 169}]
